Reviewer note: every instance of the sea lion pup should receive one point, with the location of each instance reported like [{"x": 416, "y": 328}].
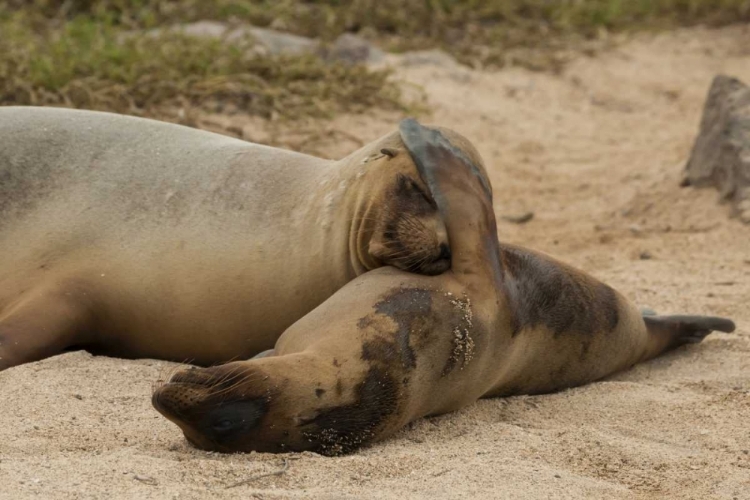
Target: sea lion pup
[
  {"x": 138, "y": 238},
  {"x": 391, "y": 347}
]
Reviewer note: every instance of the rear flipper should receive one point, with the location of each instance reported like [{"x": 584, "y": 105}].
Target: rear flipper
[{"x": 669, "y": 332}]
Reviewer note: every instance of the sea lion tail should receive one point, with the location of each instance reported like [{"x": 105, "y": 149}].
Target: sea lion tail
[{"x": 674, "y": 331}]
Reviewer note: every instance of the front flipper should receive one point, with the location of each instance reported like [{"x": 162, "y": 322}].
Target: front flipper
[{"x": 44, "y": 323}]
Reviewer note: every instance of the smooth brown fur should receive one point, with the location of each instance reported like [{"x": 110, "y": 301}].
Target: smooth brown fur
[
  {"x": 391, "y": 347},
  {"x": 137, "y": 238}
]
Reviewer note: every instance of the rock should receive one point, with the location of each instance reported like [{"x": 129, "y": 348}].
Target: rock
[
  {"x": 203, "y": 29},
  {"x": 146, "y": 479},
  {"x": 283, "y": 43},
  {"x": 348, "y": 48},
  {"x": 352, "y": 49},
  {"x": 721, "y": 154},
  {"x": 435, "y": 57},
  {"x": 274, "y": 42}
]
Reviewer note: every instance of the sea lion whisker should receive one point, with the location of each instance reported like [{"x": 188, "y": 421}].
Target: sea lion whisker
[
  {"x": 399, "y": 254},
  {"x": 227, "y": 377},
  {"x": 173, "y": 369},
  {"x": 233, "y": 380}
]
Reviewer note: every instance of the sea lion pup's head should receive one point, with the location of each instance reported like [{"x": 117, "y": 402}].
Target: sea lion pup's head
[
  {"x": 403, "y": 226},
  {"x": 210, "y": 405},
  {"x": 296, "y": 402}
]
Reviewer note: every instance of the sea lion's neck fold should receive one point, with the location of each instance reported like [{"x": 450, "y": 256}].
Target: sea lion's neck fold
[
  {"x": 346, "y": 212},
  {"x": 365, "y": 212}
]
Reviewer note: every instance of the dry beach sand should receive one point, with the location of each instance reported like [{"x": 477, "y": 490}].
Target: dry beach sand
[{"x": 596, "y": 153}]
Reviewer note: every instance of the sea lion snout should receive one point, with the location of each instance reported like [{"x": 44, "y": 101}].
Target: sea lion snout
[
  {"x": 211, "y": 406},
  {"x": 410, "y": 233}
]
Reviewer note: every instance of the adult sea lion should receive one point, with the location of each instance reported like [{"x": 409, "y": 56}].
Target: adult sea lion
[
  {"x": 391, "y": 347},
  {"x": 140, "y": 238}
]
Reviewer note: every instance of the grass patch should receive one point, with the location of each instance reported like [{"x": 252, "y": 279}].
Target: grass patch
[
  {"x": 477, "y": 31},
  {"x": 73, "y": 52},
  {"x": 86, "y": 62}
]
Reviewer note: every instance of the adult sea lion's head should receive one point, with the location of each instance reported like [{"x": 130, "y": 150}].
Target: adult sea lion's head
[{"x": 408, "y": 230}]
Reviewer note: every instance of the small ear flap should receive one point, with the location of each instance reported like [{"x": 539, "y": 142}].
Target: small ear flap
[{"x": 462, "y": 194}]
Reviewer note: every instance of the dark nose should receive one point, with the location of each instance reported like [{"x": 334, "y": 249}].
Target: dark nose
[
  {"x": 445, "y": 252},
  {"x": 229, "y": 419}
]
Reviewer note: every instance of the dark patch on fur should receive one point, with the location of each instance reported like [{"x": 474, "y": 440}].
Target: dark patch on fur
[
  {"x": 400, "y": 325},
  {"x": 403, "y": 323},
  {"x": 336, "y": 363},
  {"x": 542, "y": 292},
  {"x": 319, "y": 392},
  {"x": 388, "y": 352},
  {"x": 339, "y": 387},
  {"x": 585, "y": 346},
  {"x": 30, "y": 170},
  {"x": 561, "y": 373},
  {"x": 411, "y": 310},
  {"x": 364, "y": 322},
  {"x": 342, "y": 429}
]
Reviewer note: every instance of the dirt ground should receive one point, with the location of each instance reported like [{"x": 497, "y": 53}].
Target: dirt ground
[{"x": 597, "y": 154}]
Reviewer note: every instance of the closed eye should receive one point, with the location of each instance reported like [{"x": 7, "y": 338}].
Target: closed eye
[
  {"x": 422, "y": 192},
  {"x": 222, "y": 425}
]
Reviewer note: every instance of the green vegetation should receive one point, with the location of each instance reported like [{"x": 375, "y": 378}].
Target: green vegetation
[
  {"x": 73, "y": 52},
  {"x": 425, "y": 18},
  {"x": 89, "y": 63}
]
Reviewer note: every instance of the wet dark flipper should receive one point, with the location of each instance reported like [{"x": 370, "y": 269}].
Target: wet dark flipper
[
  {"x": 46, "y": 323},
  {"x": 674, "y": 331}
]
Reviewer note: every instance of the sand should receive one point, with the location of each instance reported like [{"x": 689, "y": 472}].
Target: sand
[{"x": 596, "y": 153}]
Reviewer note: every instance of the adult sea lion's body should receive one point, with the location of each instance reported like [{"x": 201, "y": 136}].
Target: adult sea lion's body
[
  {"x": 391, "y": 346},
  {"x": 140, "y": 238}
]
